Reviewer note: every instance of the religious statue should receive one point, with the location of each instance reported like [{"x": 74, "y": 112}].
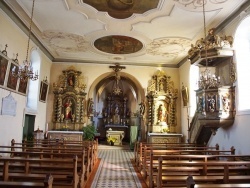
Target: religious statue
[
  {"x": 90, "y": 106},
  {"x": 116, "y": 116},
  {"x": 142, "y": 108},
  {"x": 71, "y": 80},
  {"x": 213, "y": 40},
  {"x": 161, "y": 113},
  {"x": 68, "y": 109},
  {"x": 161, "y": 85}
]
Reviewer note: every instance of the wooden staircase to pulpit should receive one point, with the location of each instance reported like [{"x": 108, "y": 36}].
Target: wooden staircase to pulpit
[{"x": 215, "y": 109}]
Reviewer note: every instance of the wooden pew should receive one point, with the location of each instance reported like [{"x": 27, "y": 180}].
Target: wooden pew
[
  {"x": 47, "y": 183},
  {"x": 166, "y": 179},
  {"x": 139, "y": 146},
  {"x": 60, "y": 169},
  {"x": 191, "y": 184},
  {"x": 90, "y": 145},
  {"x": 61, "y": 146},
  {"x": 146, "y": 148},
  {"x": 151, "y": 156},
  {"x": 48, "y": 153}
]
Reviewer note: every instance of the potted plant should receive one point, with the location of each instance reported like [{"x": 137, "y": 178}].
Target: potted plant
[
  {"x": 89, "y": 132},
  {"x": 111, "y": 140}
]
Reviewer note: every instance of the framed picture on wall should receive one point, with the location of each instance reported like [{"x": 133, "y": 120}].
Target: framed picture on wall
[
  {"x": 12, "y": 80},
  {"x": 22, "y": 88},
  {"x": 3, "y": 69},
  {"x": 44, "y": 87},
  {"x": 185, "y": 97}
]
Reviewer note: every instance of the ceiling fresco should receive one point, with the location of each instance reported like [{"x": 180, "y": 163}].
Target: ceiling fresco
[
  {"x": 129, "y": 32},
  {"x": 122, "y": 9},
  {"x": 117, "y": 44}
]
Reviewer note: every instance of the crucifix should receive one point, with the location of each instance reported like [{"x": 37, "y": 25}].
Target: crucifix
[
  {"x": 117, "y": 67},
  {"x": 117, "y": 90}
]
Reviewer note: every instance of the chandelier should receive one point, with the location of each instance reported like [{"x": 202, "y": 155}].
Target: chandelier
[
  {"x": 25, "y": 71},
  {"x": 207, "y": 80}
]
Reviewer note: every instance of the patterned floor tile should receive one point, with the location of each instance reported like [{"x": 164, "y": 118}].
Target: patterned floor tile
[{"x": 115, "y": 169}]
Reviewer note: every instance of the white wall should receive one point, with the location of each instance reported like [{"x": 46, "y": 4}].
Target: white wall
[{"x": 12, "y": 127}]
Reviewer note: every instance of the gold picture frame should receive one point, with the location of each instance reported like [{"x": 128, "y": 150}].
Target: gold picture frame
[{"x": 4, "y": 63}]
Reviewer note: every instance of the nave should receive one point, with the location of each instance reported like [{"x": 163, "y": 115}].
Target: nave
[{"x": 115, "y": 168}]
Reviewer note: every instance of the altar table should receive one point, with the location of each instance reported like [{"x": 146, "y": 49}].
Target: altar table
[{"x": 118, "y": 135}]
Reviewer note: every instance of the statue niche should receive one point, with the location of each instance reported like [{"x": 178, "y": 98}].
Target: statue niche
[
  {"x": 68, "y": 109},
  {"x": 69, "y": 100}
]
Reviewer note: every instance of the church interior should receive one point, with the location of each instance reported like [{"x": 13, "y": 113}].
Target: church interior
[{"x": 125, "y": 76}]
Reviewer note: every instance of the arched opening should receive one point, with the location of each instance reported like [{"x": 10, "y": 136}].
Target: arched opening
[{"x": 116, "y": 110}]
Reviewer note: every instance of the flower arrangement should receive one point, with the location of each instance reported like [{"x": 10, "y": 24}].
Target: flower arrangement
[
  {"x": 166, "y": 130},
  {"x": 111, "y": 140}
]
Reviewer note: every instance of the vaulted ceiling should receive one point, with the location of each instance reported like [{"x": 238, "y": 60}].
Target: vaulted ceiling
[{"x": 129, "y": 32}]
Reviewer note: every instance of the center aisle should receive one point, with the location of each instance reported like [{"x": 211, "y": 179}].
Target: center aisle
[{"x": 115, "y": 168}]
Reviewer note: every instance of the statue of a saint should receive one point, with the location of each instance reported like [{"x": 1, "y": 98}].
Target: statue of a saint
[
  {"x": 68, "y": 109},
  {"x": 90, "y": 106},
  {"x": 161, "y": 113},
  {"x": 71, "y": 80},
  {"x": 142, "y": 108}
]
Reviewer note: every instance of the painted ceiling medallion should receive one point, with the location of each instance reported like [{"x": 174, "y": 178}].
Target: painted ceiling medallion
[
  {"x": 65, "y": 42},
  {"x": 122, "y": 9},
  {"x": 169, "y": 47},
  {"x": 117, "y": 44}
]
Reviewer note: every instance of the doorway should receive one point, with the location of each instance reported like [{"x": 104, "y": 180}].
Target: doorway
[{"x": 29, "y": 124}]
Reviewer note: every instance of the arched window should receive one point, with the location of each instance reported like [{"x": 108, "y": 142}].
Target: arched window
[
  {"x": 242, "y": 52},
  {"x": 33, "y": 90},
  {"x": 194, "y": 72}
]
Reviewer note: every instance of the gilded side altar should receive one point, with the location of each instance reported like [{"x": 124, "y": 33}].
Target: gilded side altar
[{"x": 69, "y": 101}]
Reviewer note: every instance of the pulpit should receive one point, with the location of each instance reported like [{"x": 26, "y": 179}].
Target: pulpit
[{"x": 117, "y": 135}]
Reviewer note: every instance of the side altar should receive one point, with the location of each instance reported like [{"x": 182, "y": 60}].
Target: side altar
[
  {"x": 164, "y": 138},
  {"x": 69, "y": 101},
  {"x": 65, "y": 135}
]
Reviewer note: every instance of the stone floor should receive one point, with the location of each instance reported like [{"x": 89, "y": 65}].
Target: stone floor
[{"x": 115, "y": 169}]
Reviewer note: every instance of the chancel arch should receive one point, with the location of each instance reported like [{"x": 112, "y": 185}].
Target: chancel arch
[{"x": 116, "y": 96}]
